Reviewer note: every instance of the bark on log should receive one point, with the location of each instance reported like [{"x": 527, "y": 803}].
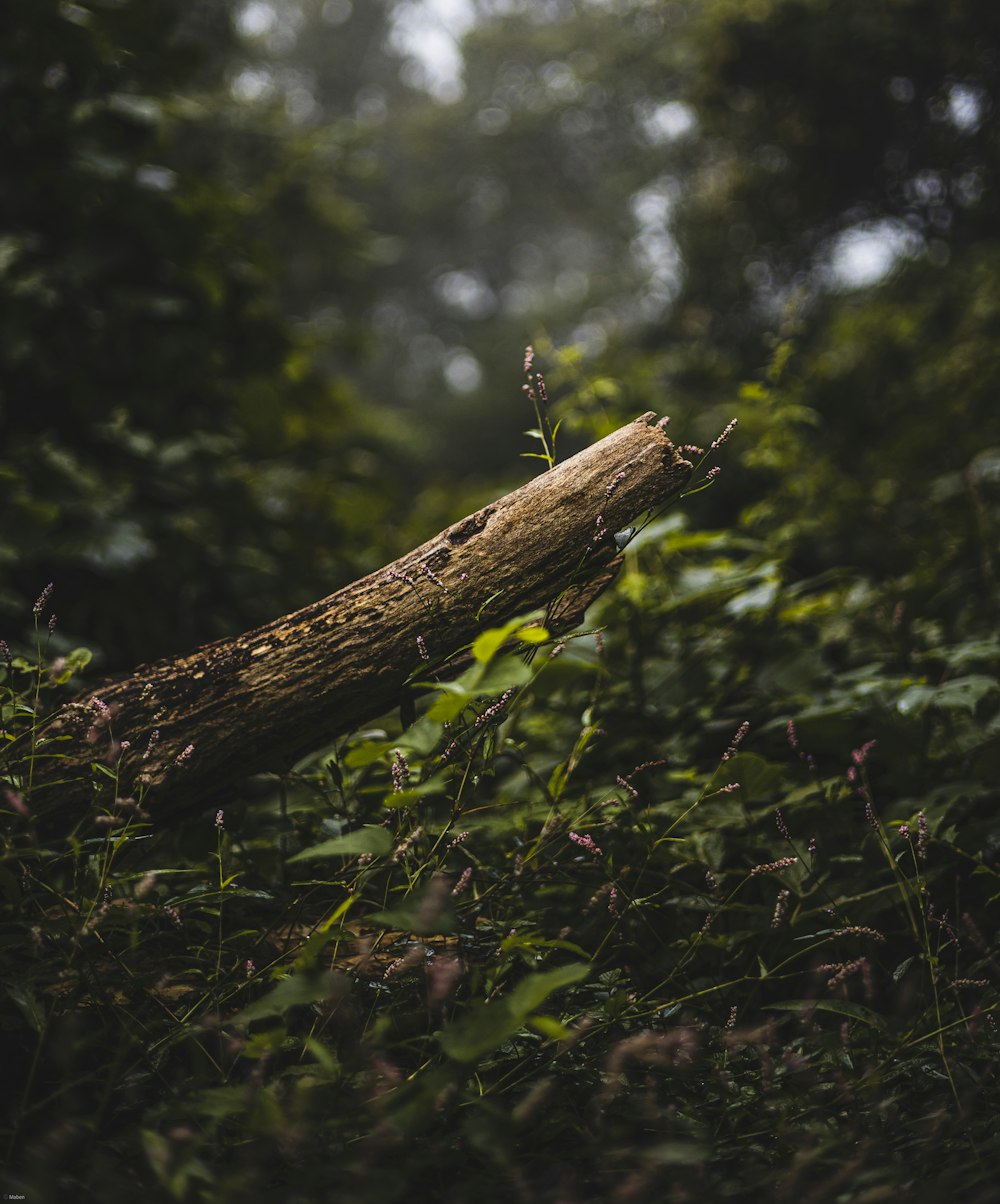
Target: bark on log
[{"x": 264, "y": 699}]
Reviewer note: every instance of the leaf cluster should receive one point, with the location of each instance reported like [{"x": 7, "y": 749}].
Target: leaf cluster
[{"x": 575, "y": 906}]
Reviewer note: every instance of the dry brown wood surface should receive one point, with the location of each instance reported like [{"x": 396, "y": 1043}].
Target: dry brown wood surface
[{"x": 261, "y": 700}]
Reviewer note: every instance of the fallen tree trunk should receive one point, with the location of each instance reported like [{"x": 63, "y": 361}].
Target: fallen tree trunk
[{"x": 196, "y": 724}]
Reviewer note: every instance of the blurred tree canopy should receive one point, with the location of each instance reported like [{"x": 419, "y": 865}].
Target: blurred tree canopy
[
  {"x": 265, "y": 282},
  {"x": 172, "y": 452},
  {"x": 822, "y": 127}
]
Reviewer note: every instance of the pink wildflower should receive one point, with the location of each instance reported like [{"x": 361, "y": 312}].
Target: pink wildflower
[{"x": 585, "y": 842}]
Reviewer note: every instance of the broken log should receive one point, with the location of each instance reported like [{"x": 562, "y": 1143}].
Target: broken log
[{"x": 263, "y": 700}]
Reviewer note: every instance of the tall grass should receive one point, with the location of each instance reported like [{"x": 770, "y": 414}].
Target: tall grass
[{"x": 543, "y": 944}]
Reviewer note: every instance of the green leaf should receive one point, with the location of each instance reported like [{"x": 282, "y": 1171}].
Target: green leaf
[
  {"x": 758, "y": 778},
  {"x": 397, "y": 799},
  {"x": 759, "y": 598},
  {"x": 534, "y": 634},
  {"x": 548, "y": 1026},
  {"x": 480, "y": 681},
  {"x": 840, "y": 1007},
  {"x": 423, "y": 914},
  {"x": 329, "y": 930},
  {"x": 369, "y": 839},
  {"x": 78, "y": 659},
  {"x": 488, "y": 643},
  {"x": 503, "y": 673},
  {"x": 420, "y": 738},
  {"x": 28, "y": 1004},
  {"x": 449, "y": 704},
  {"x": 293, "y": 991},
  {"x": 147, "y": 110},
  {"x": 72, "y": 663},
  {"x": 557, "y": 781},
  {"x": 901, "y": 969},
  {"x": 961, "y": 693},
  {"x": 489, "y": 1025},
  {"x": 366, "y": 753}
]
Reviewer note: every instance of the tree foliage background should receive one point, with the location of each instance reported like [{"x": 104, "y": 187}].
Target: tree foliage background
[
  {"x": 265, "y": 281},
  {"x": 258, "y": 282}
]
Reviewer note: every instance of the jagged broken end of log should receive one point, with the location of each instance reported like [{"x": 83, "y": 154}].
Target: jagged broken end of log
[{"x": 186, "y": 729}]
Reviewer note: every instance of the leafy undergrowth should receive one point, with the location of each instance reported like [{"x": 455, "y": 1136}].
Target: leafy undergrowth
[{"x": 579, "y": 933}]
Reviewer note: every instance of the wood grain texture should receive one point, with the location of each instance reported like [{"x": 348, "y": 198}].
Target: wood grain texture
[{"x": 261, "y": 700}]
